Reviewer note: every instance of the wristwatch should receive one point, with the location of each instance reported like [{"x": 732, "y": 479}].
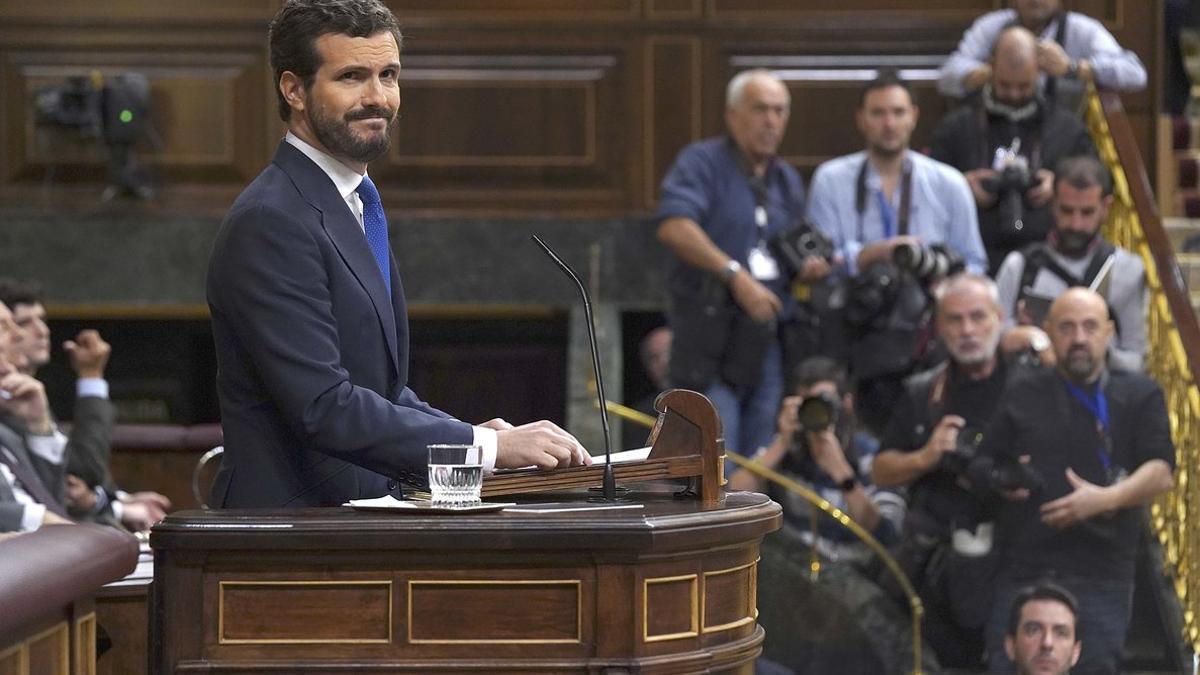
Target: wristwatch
[
  {"x": 848, "y": 484},
  {"x": 1039, "y": 341},
  {"x": 730, "y": 270}
]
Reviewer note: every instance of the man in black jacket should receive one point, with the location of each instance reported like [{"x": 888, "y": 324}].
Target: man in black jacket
[
  {"x": 1006, "y": 143},
  {"x": 1100, "y": 443}
]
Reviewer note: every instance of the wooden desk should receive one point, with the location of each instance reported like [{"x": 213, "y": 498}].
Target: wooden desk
[{"x": 669, "y": 587}]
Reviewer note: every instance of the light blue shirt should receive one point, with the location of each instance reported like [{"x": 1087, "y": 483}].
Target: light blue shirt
[
  {"x": 942, "y": 210},
  {"x": 1086, "y": 38}
]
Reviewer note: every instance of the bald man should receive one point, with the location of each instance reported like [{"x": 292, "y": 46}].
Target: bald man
[
  {"x": 1008, "y": 159},
  {"x": 1073, "y": 48},
  {"x": 1101, "y": 443}
]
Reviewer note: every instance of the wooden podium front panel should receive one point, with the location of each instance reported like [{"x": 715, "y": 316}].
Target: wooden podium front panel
[{"x": 669, "y": 587}]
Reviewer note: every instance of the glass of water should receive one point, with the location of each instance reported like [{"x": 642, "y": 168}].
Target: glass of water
[{"x": 455, "y": 474}]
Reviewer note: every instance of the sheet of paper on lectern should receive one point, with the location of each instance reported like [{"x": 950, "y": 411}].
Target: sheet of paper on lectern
[{"x": 635, "y": 455}]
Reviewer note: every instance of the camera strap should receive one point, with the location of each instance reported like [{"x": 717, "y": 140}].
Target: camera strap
[
  {"x": 893, "y": 223},
  {"x": 762, "y": 264},
  {"x": 1097, "y": 405}
]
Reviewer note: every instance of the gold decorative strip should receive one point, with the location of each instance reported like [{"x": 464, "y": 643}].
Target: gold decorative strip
[
  {"x": 1173, "y": 516},
  {"x": 19, "y": 654},
  {"x": 85, "y": 645},
  {"x": 222, "y": 585},
  {"x": 578, "y": 584},
  {"x": 695, "y": 614},
  {"x": 752, "y": 598}
]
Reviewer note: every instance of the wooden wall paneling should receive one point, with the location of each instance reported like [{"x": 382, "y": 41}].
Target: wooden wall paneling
[
  {"x": 526, "y": 128},
  {"x": 672, "y": 83},
  {"x": 825, "y": 93},
  {"x": 516, "y": 10},
  {"x": 764, "y": 9},
  {"x": 83, "y": 12},
  {"x": 203, "y": 107},
  {"x": 674, "y": 9}
]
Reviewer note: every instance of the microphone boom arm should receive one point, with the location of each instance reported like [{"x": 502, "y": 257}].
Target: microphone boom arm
[{"x": 610, "y": 482}]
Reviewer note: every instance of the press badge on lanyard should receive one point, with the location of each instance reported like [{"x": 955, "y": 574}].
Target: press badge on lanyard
[{"x": 761, "y": 263}]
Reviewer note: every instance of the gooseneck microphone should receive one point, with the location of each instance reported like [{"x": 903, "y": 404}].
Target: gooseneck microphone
[{"x": 610, "y": 481}]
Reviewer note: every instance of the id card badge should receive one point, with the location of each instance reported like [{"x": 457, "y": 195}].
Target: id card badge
[{"x": 762, "y": 264}]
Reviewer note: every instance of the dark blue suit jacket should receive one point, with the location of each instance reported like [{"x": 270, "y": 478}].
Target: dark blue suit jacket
[{"x": 312, "y": 355}]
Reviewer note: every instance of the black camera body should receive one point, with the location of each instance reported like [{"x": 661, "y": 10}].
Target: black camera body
[
  {"x": 114, "y": 110},
  {"x": 819, "y": 412},
  {"x": 798, "y": 244},
  {"x": 927, "y": 262},
  {"x": 965, "y": 449},
  {"x": 1012, "y": 178}
]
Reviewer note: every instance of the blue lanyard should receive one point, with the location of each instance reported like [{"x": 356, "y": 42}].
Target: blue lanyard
[
  {"x": 887, "y": 214},
  {"x": 1097, "y": 405}
]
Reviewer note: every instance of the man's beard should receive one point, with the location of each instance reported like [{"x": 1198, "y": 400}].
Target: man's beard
[
  {"x": 974, "y": 357},
  {"x": 1080, "y": 365},
  {"x": 1074, "y": 243},
  {"x": 1013, "y": 111},
  {"x": 340, "y": 140}
]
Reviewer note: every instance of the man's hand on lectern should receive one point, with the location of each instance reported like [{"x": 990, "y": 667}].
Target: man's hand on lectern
[{"x": 542, "y": 444}]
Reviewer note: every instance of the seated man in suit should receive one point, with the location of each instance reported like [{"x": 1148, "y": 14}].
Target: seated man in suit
[
  {"x": 308, "y": 310},
  {"x": 92, "y": 494},
  {"x": 31, "y": 478}
]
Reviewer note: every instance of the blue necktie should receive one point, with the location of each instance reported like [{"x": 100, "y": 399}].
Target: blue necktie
[{"x": 375, "y": 225}]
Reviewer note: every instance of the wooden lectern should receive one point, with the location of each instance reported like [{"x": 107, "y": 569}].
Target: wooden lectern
[{"x": 667, "y": 586}]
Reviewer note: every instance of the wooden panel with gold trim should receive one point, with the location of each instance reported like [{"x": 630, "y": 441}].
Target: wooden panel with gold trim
[
  {"x": 477, "y": 611},
  {"x": 296, "y": 612},
  {"x": 49, "y": 652},
  {"x": 85, "y": 645},
  {"x": 730, "y": 598},
  {"x": 670, "y": 608}
]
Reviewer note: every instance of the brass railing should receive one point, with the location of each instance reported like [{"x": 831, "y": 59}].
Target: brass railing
[
  {"x": 916, "y": 609},
  {"x": 1172, "y": 355}
]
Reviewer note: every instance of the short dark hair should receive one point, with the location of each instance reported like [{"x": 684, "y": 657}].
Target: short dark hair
[
  {"x": 1083, "y": 172},
  {"x": 19, "y": 292},
  {"x": 816, "y": 369},
  {"x": 884, "y": 78},
  {"x": 295, "y": 29},
  {"x": 1045, "y": 590}
]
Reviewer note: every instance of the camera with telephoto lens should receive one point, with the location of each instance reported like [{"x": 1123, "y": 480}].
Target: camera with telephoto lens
[
  {"x": 818, "y": 412},
  {"x": 798, "y": 244},
  {"x": 927, "y": 262}
]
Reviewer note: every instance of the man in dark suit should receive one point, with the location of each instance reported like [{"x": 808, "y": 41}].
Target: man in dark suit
[
  {"x": 92, "y": 492},
  {"x": 31, "y": 470},
  {"x": 307, "y": 305}
]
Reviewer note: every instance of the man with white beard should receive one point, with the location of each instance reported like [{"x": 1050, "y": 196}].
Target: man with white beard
[{"x": 928, "y": 444}]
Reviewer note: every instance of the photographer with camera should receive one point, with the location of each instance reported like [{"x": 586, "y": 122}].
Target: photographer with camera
[
  {"x": 816, "y": 443},
  {"x": 930, "y": 441},
  {"x": 722, "y": 203},
  {"x": 1074, "y": 254},
  {"x": 1005, "y": 143},
  {"x": 1100, "y": 442},
  {"x": 872, "y": 202}
]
